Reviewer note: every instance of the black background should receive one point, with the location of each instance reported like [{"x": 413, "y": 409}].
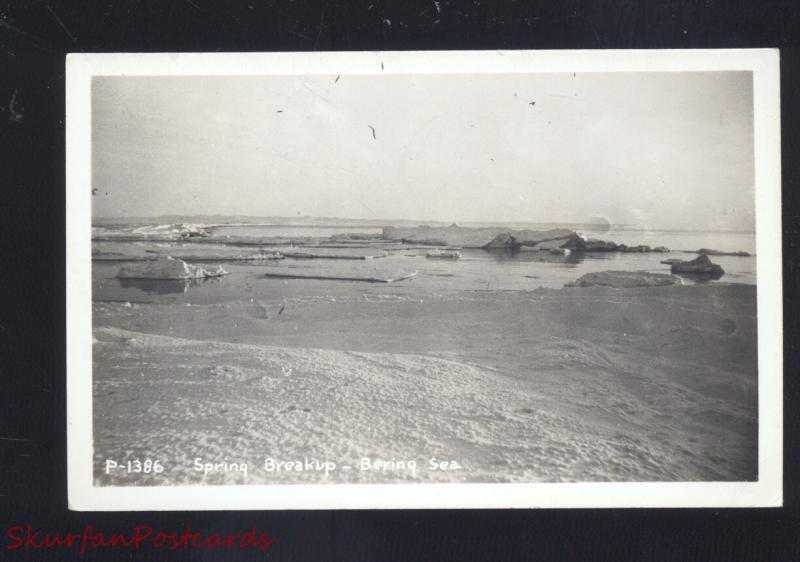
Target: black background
[{"x": 34, "y": 39}]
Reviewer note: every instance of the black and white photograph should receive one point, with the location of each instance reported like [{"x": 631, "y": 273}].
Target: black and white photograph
[{"x": 508, "y": 269}]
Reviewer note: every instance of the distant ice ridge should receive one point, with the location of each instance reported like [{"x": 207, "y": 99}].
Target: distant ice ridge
[
  {"x": 172, "y": 231},
  {"x": 556, "y": 240}
]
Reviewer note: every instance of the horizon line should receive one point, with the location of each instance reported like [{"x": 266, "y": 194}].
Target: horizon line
[{"x": 385, "y": 221}]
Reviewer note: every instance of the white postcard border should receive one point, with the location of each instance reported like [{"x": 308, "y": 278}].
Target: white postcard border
[{"x": 766, "y": 492}]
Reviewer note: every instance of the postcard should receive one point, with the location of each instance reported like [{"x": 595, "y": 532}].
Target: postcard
[{"x": 374, "y": 280}]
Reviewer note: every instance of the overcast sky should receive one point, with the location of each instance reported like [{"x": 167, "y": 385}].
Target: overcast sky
[{"x": 662, "y": 150}]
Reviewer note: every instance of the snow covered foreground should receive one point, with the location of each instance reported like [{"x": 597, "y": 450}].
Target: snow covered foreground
[{"x": 179, "y": 400}]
